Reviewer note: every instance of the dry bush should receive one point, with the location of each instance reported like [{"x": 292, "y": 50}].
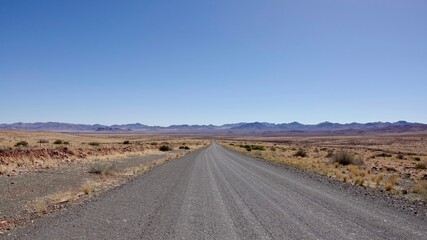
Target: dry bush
[
  {"x": 300, "y": 153},
  {"x": 420, "y": 166},
  {"x": 21, "y": 144},
  {"x": 345, "y": 158},
  {"x": 164, "y": 148}
]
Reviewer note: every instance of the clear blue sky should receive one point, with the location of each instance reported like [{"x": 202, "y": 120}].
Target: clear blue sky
[{"x": 200, "y": 62}]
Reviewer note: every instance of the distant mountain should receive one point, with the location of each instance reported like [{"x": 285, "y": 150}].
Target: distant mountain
[
  {"x": 234, "y": 128},
  {"x": 251, "y": 126},
  {"x": 111, "y": 129}
]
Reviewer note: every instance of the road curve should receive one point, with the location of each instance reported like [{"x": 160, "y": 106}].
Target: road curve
[{"x": 215, "y": 193}]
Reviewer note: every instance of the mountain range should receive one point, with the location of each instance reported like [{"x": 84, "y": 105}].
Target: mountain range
[{"x": 235, "y": 128}]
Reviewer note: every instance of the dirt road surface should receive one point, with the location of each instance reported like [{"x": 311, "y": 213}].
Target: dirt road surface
[{"x": 215, "y": 193}]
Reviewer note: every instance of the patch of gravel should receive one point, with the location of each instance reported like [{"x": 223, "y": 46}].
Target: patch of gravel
[{"x": 20, "y": 190}]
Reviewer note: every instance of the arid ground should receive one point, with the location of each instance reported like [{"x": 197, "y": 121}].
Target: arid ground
[
  {"x": 394, "y": 163},
  {"x": 41, "y": 172}
]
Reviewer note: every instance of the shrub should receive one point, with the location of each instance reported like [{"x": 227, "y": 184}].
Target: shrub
[
  {"x": 21, "y": 144},
  {"x": 164, "y": 148},
  {"x": 417, "y": 159},
  {"x": 184, "y": 147},
  {"x": 384, "y": 155},
  {"x": 257, "y": 147},
  {"x": 126, "y": 142},
  {"x": 420, "y": 166},
  {"x": 102, "y": 169},
  {"x": 300, "y": 153},
  {"x": 345, "y": 158},
  {"x": 253, "y": 147},
  {"x": 400, "y": 156},
  {"x": 42, "y": 141},
  {"x": 58, "y": 142},
  {"x": 94, "y": 144},
  {"x": 153, "y": 143}
]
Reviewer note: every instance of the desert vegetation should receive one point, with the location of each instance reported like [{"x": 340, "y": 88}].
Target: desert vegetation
[
  {"x": 395, "y": 164},
  {"x": 76, "y": 166},
  {"x": 26, "y": 151}
]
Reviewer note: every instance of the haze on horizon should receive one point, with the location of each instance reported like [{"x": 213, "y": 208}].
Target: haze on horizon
[{"x": 213, "y": 62}]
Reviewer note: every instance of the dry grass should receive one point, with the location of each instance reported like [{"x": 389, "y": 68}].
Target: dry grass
[
  {"x": 6, "y": 169},
  {"x": 40, "y": 206},
  {"x": 88, "y": 186},
  {"x": 104, "y": 169},
  {"x": 63, "y": 197},
  {"x": 372, "y": 161},
  {"x": 47, "y": 150}
]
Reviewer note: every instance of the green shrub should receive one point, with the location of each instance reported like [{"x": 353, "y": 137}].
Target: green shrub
[
  {"x": 58, "y": 141},
  {"x": 300, "y": 153},
  {"x": 21, "y": 144},
  {"x": 153, "y": 143},
  {"x": 346, "y": 158},
  {"x": 184, "y": 147},
  {"x": 257, "y": 147},
  {"x": 164, "y": 148},
  {"x": 417, "y": 159},
  {"x": 126, "y": 142}
]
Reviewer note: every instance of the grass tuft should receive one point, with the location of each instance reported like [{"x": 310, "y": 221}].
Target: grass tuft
[
  {"x": 102, "y": 169},
  {"x": 40, "y": 206},
  {"x": 88, "y": 186}
]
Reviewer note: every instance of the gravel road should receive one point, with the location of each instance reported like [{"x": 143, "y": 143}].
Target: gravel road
[{"x": 215, "y": 193}]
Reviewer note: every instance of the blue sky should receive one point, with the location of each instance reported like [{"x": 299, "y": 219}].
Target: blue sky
[{"x": 202, "y": 62}]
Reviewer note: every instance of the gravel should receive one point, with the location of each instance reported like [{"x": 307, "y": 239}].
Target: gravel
[{"x": 215, "y": 193}]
